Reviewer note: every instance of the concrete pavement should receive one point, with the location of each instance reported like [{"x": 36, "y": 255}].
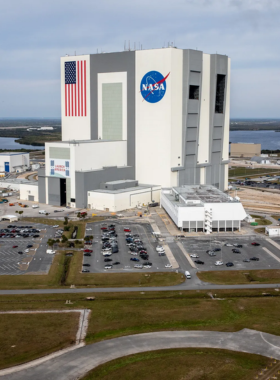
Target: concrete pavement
[{"x": 75, "y": 364}]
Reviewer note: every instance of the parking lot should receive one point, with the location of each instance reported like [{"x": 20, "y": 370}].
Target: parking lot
[
  {"x": 35, "y": 260},
  {"x": 248, "y": 251},
  {"x": 96, "y": 260}
]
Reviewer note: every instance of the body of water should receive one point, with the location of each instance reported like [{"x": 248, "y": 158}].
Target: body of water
[
  {"x": 269, "y": 140},
  {"x": 9, "y": 143}
]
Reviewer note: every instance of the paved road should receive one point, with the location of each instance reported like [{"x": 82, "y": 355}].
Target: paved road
[
  {"x": 76, "y": 363},
  {"x": 184, "y": 286}
]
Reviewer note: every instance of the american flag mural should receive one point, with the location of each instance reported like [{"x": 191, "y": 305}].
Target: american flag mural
[{"x": 75, "y": 88}]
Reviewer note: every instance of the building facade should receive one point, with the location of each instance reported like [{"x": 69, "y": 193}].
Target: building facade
[
  {"x": 245, "y": 150},
  {"x": 157, "y": 116}
]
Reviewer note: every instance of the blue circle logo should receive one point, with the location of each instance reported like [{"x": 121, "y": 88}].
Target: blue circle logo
[{"x": 153, "y": 86}]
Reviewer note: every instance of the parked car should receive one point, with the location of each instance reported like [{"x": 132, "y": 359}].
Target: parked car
[
  {"x": 199, "y": 262},
  {"x": 108, "y": 267},
  {"x": 127, "y": 230},
  {"x": 15, "y": 246},
  {"x": 236, "y": 250},
  {"x": 255, "y": 244},
  {"x": 116, "y": 263},
  {"x": 168, "y": 266},
  {"x": 219, "y": 263},
  {"x": 194, "y": 255},
  {"x": 139, "y": 266},
  {"x": 88, "y": 250},
  {"x": 229, "y": 264},
  {"x": 238, "y": 245},
  {"x": 134, "y": 259},
  {"x": 87, "y": 254},
  {"x": 85, "y": 271},
  {"x": 246, "y": 260},
  {"x": 107, "y": 260},
  {"x": 216, "y": 249},
  {"x": 228, "y": 245},
  {"x": 254, "y": 259}
]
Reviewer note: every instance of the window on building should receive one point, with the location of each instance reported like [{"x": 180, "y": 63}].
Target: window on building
[
  {"x": 220, "y": 93},
  {"x": 194, "y": 92}
]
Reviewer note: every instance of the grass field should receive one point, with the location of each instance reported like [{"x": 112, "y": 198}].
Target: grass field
[
  {"x": 182, "y": 364},
  {"x": 260, "y": 230},
  {"x": 263, "y": 221},
  {"x": 276, "y": 217},
  {"x": 25, "y": 337},
  {"x": 118, "y": 314},
  {"x": 264, "y": 276},
  {"x": 241, "y": 171},
  {"x": 49, "y": 222},
  {"x": 118, "y": 279}
]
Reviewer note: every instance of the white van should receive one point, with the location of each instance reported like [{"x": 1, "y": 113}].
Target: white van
[
  {"x": 187, "y": 274},
  {"x": 50, "y": 251},
  {"x": 35, "y": 206},
  {"x": 42, "y": 211}
]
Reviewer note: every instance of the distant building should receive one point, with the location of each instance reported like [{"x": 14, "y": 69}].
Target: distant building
[
  {"x": 272, "y": 230},
  {"x": 14, "y": 162},
  {"x": 260, "y": 160},
  {"x": 245, "y": 150}
]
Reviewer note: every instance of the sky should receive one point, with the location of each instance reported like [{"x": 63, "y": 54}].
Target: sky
[{"x": 35, "y": 34}]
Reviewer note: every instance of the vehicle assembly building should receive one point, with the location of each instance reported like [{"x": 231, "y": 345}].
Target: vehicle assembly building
[{"x": 158, "y": 117}]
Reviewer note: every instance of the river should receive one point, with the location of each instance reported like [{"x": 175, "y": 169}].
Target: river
[{"x": 9, "y": 143}]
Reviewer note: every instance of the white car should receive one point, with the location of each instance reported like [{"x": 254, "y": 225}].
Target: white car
[
  {"x": 219, "y": 263},
  {"x": 55, "y": 226},
  {"x": 147, "y": 266},
  {"x": 168, "y": 266},
  {"x": 194, "y": 255},
  {"x": 107, "y": 253},
  {"x": 133, "y": 253},
  {"x": 139, "y": 266},
  {"x": 108, "y": 267},
  {"x": 88, "y": 229},
  {"x": 26, "y": 250},
  {"x": 160, "y": 249},
  {"x": 228, "y": 245}
]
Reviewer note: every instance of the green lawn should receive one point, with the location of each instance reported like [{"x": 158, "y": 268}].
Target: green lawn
[
  {"x": 241, "y": 171},
  {"x": 26, "y": 337},
  {"x": 264, "y": 276},
  {"x": 182, "y": 364}
]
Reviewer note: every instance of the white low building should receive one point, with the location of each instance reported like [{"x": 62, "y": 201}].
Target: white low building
[
  {"x": 272, "y": 230},
  {"x": 201, "y": 208},
  {"x": 14, "y": 162},
  {"x": 29, "y": 191},
  {"x": 117, "y": 196}
]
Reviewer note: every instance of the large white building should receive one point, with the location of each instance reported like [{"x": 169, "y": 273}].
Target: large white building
[
  {"x": 202, "y": 208},
  {"x": 160, "y": 117}
]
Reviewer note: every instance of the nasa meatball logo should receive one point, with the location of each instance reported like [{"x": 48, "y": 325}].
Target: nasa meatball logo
[{"x": 153, "y": 86}]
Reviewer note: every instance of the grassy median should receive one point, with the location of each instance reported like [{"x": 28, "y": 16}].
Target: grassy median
[
  {"x": 26, "y": 337},
  {"x": 261, "y": 276},
  {"x": 182, "y": 364}
]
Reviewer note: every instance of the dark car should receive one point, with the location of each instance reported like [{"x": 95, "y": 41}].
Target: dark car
[
  {"x": 20, "y": 252},
  {"x": 154, "y": 204},
  {"x": 115, "y": 249},
  {"x": 199, "y": 262},
  {"x": 116, "y": 263},
  {"x": 107, "y": 260},
  {"x": 147, "y": 263},
  {"x": 255, "y": 244},
  {"x": 29, "y": 246},
  {"x": 216, "y": 249},
  {"x": 87, "y": 254},
  {"x": 229, "y": 264},
  {"x": 111, "y": 225},
  {"x": 238, "y": 245},
  {"x": 254, "y": 259},
  {"x": 235, "y": 250},
  {"x": 15, "y": 246},
  {"x": 134, "y": 259},
  {"x": 35, "y": 236},
  {"x": 86, "y": 265}
]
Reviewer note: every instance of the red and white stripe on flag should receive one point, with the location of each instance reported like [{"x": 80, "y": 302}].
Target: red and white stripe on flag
[{"x": 75, "y": 92}]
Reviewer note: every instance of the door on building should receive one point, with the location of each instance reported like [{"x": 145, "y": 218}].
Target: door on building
[
  {"x": 31, "y": 198},
  {"x": 7, "y": 167},
  {"x": 62, "y": 192}
]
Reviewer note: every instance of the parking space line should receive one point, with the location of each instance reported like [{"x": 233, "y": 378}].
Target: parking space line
[
  {"x": 180, "y": 245},
  {"x": 273, "y": 243},
  {"x": 271, "y": 254}
]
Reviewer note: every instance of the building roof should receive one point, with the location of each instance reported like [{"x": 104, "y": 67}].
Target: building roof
[
  {"x": 127, "y": 190},
  {"x": 272, "y": 227},
  {"x": 196, "y": 195},
  {"x": 13, "y": 154}
]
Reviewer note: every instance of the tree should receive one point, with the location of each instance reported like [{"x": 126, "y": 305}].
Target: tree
[
  {"x": 64, "y": 239},
  {"x": 65, "y": 221},
  {"x": 66, "y": 228},
  {"x": 20, "y": 212},
  {"x": 50, "y": 242}
]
